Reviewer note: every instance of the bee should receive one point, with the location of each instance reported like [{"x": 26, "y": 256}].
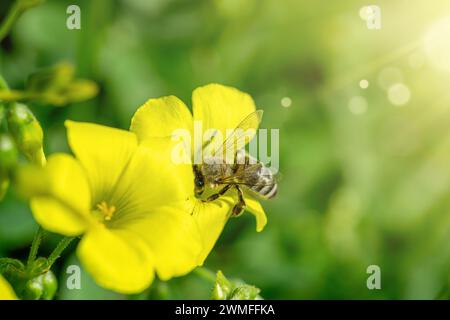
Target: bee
[{"x": 243, "y": 173}]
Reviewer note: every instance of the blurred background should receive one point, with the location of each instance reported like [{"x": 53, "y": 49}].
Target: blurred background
[{"x": 364, "y": 119}]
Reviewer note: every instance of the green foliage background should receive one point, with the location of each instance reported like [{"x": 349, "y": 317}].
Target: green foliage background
[{"x": 356, "y": 190}]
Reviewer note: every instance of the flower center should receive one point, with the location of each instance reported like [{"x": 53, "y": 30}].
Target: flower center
[{"x": 106, "y": 210}]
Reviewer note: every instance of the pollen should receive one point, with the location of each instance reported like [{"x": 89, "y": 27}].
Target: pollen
[{"x": 106, "y": 210}]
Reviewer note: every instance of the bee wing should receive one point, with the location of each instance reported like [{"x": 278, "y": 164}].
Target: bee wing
[
  {"x": 247, "y": 177},
  {"x": 250, "y": 184},
  {"x": 236, "y": 139}
]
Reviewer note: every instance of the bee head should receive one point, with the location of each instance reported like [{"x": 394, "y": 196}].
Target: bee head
[
  {"x": 199, "y": 186},
  {"x": 199, "y": 181}
]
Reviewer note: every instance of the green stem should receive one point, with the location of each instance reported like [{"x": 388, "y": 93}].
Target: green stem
[
  {"x": 17, "y": 9},
  {"x": 13, "y": 262},
  {"x": 205, "y": 274},
  {"x": 13, "y": 14},
  {"x": 58, "y": 250},
  {"x": 35, "y": 246}
]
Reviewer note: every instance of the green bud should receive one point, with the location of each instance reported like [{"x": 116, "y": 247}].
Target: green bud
[
  {"x": 42, "y": 287},
  {"x": 27, "y": 132},
  {"x": 50, "y": 285},
  {"x": 8, "y": 152},
  {"x": 225, "y": 289},
  {"x": 34, "y": 289},
  {"x": 222, "y": 287},
  {"x": 245, "y": 292},
  {"x": 8, "y": 160}
]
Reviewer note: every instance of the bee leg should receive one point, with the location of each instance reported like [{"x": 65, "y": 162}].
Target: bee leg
[
  {"x": 239, "y": 207},
  {"x": 218, "y": 194}
]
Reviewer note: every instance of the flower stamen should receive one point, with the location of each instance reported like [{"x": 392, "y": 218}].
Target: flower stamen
[{"x": 106, "y": 210}]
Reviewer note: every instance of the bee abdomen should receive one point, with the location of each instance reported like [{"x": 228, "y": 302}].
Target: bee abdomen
[
  {"x": 268, "y": 191},
  {"x": 266, "y": 186}
]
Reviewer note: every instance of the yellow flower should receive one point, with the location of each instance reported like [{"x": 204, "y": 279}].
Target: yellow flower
[
  {"x": 116, "y": 194},
  {"x": 217, "y": 107},
  {"x": 134, "y": 207},
  {"x": 6, "y": 291}
]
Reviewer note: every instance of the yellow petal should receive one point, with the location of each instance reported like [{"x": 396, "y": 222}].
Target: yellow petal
[
  {"x": 103, "y": 152},
  {"x": 172, "y": 235},
  {"x": 221, "y": 107},
  {"x": 6, "y": 291},
  {"x": 211, "y": 218},
  {"x": 118, "y": 260},
  {"x": 254, "y": 207},
  {"x": 160, "y": 117},
  {"x": 150, "y": 180},
  {"x": 66, "y": 208}
]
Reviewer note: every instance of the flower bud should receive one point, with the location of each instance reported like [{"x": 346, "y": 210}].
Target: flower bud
[
  {"x": 225, "y": 289},
  {"x": 222, "y": 287},
  {"x": 42, "y": 287},
  {"x": 27, "y": 132},
  {"x": 50, "y": 285},
  {"x": 8, "y": 159},
  {"x": 34, "y": 289},
  {"x": 8, "y": 152},
  {"x": 244, "y": 292}
]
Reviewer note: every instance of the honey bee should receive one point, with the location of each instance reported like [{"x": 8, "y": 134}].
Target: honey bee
[{"x": 244, "y": 173}]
